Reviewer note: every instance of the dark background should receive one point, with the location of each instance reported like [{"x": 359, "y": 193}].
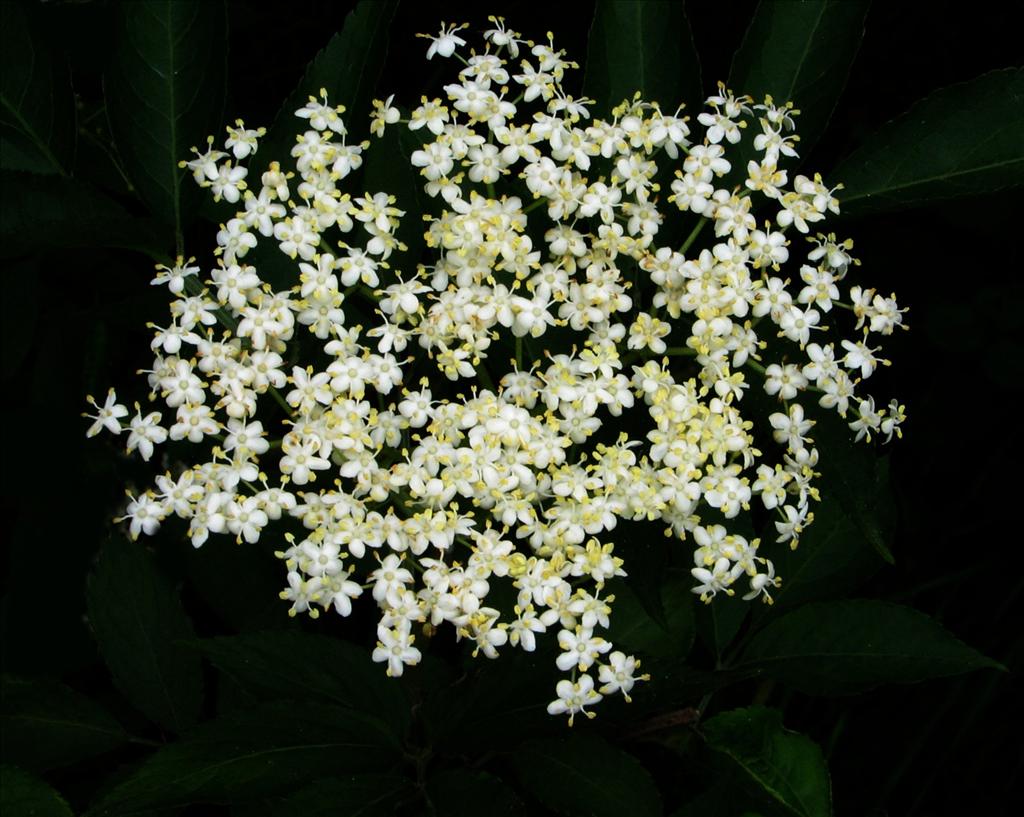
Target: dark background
[{"x": 74, "y": 323}]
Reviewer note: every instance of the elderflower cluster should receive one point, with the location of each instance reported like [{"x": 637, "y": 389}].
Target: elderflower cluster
[{"x": 555, "y": 366}]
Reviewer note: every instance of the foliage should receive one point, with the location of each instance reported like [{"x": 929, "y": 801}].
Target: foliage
[{"x": 183, "y": 691}]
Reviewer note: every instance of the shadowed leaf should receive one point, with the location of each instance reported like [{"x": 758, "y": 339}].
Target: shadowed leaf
[
  {"x": 47, "y": 212},
  {"x": 358, "y": 795},
  {"x": 787, "y": 766},
  {"x": 347, "y": 68},
  {"x": 37, "y": 106},
  {"x": 800, "y": 51},
  {"x": 46, "y": 725},
  {"x": 255, "y": 753},
  {"x": 137, "y": 618},
  {"x": 842, "y": 647},
  {"x": 958, "y": 141},
  {"x": 164, "y": 92},
  {"x": 291, "y": 664},
  {"x": 586, "y": 776},
  {"x": 641, "y": 45},
  {"x": 22, "y": 795}
]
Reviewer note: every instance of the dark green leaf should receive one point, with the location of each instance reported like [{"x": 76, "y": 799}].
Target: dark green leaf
[
  {"x": 291, "y": 664},
  {"x": 243, "y": 607},
  {"x": 347, "y": 68},
  {"x": 726, "y": 798},
  {"x": 22, "y": 795},
  {"x": 800, "y": 51},
  {"x": 720, "y": 620},
  {"x": 468, "y": 793},
  {"x": 164, "y": 92},
  {"x": 633, "y": 628},
  {"x": 257, "y": 753},
  {"x": 388, "y": 169},
  {"x": 356, "y": 795},
  {"x": 37, "y": 106},
  {"x": 648, "y": 560},
  {"x": 17, "y": 332},
  {"x": 858, "y": 479},
  {"x": 833, "y": 558},
  {"x": 787, "y": 766},
  {"x": 137, "y": 618},
  {"x": 46, "y": 725},
  {"x": 494, "y": 704},
  {"x": 585, "y": 775},
  {"x": 844, "y": 647},
  {"x": 44, "y": 212},
  {"x": 958, "y": 141},
  {"x": 641, "y": 45}
]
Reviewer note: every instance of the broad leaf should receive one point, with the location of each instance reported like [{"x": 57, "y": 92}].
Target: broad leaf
[
  {"x": 641, "y": 45},
  {"x": 787, "y": 766},
  {"x": 586, "y": 776},
  {"x": 725, "y": 798},
  {"x": 137, "y": 618},
  {"x": 833, "y": 558},
  {"x": 388, "y": 169},
  {"x": 469, "y": 793},
  {"x": 857, "y": 478},
  {"x": 842, "y": 647},
  {"x": 493, "y": 704},
  {"x": 264, "y": 751},
  {"x": 17, "y": 332},
  {"x": 959, "y": 141},
  {"x": 800, "y": 51},
  {"x": 37, "y": 106},
  {"x": 719, "y": 621},
  {"x": 355, "y": 795},
  {"x": 634, "y": 629},
  {"x": 291, "y": 664},
  {"x": 648, "y": 556},
  {"x": 45, "y": 725},
  {"x": 347, "y": 68},
  {"x": 243, "y": 607},
  {"x": 28, "y": 796},
  {"x": 164, "y": 93},
  {"x": 47, "y": 212}
]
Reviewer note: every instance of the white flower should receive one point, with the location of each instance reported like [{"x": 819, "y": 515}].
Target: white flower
[
  {"x": 619, "y": 674},
  {"x": 108, "y": 416},
  {"x": 144, "y": 515},
  {"x": 446, "y": 42},
  {"x": 175, "y": 276},
  {"x": 394, "y": 647},
  {"x": 574, "y": 697},
  {"x": 791, "y": 428},
  {"x": 145, "y": 433}
]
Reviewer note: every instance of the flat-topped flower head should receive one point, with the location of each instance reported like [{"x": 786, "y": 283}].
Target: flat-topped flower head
[{"x": 549, "y": 365}]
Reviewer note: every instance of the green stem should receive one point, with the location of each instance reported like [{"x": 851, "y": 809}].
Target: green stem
[
  {"x": 485, "y": 377},
  {"x": 537, "y": 203},
  {"x": 280, "y": 400},
  {"x": 693, "y": 235},
  {"x": 674, "y": 351},
  {"x": 757, "y": 367}
]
